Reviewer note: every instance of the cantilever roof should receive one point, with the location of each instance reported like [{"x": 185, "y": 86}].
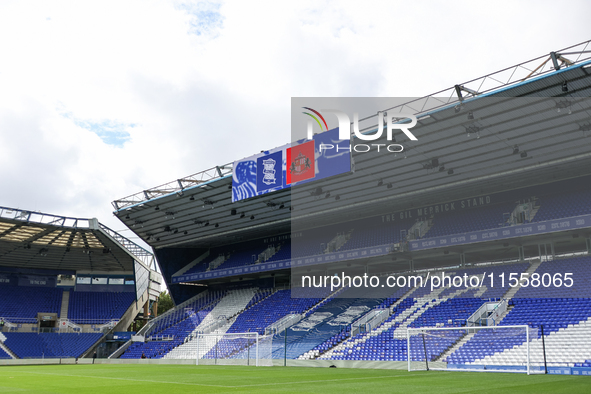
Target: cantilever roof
[
  {"x": 517, "y": 113},
  {"x": 43, "y": 241}
]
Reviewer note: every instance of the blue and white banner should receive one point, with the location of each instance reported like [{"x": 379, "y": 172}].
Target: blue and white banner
[
  {"x": 312, "y": 260},
  {"x": 270, "y": 171},
  {"x": 267, "y": 171},
  {"x": 521, "y": 230}
]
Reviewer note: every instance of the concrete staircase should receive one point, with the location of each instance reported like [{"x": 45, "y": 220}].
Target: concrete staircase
[
  {"x": 404, "y": 319},
  {"x": 456, "y": 346},
  {"x": 337, "y": 242},
  {"x": 404, "y": 297},
  {"x": 234, "y": 302},
  {"x": 423, "y": 304},
  {"x": 511, "y": 292},
  {"x": 419, "y": 229},
  {"x": 191, "y": 264},
  {"x": 5, "y": 348},
  {"x": 65, "y": 305}
]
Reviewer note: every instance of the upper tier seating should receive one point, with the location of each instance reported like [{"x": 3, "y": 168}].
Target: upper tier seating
[
  {"x": 19, "y": 304},
  {"x": 475, "y": 219},
  {"x": 98, "y": 308},
  {"x": 555, "y": 206},
  {"x": 365, "y": 235}
]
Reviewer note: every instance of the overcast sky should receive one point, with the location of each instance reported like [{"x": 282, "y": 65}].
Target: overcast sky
[{"x": 103, "y": 99}]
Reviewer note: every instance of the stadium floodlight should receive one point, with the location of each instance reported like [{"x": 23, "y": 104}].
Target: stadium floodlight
[{"x": 508, "y": 349}]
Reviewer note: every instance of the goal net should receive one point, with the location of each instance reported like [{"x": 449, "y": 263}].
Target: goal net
[
  {"x": 498, "y": 348},
  {"x": 233, "y": 349}
]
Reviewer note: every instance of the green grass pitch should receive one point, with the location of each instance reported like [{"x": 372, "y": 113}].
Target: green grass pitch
[{"x": 176, "y": 379}]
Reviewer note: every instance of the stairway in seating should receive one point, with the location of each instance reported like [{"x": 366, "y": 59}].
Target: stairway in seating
[
  {"x": 512, "y": 290},
  {"x": 406, "y": 317},
  {"x": 232, "y": 303},
  {"x": 65, "y": 304},
  {"x": 455, "y": 346},
  {"x": 5, "y": 348}
]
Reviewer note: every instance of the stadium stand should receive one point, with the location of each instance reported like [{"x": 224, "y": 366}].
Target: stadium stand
[
  {"x": 429, "y": 214},
  {"x": 557, "y": 315},
  {"x": 98, "y": 308}
]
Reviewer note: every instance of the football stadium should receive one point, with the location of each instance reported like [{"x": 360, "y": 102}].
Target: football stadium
[{"x": 393, "y": 245}]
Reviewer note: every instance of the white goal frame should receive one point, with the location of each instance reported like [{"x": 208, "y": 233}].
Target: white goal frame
[
  {"x": 526, "y": 328},
  {"x": 217, "y": 337}
]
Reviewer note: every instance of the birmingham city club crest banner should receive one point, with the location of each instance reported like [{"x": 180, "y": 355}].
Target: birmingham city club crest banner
[{"x": 282, "y": 167}]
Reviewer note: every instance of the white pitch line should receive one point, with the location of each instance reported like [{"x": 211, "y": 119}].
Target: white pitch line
[
  {"x": 319, "y": 381},
  {"x": 216, "y": 385},
  {"x": 131, "y": 380}
]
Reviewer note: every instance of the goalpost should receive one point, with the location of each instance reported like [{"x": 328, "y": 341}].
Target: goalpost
[
  {"x": 481, "y": 349},
  {"x": 246, "y": 348}
]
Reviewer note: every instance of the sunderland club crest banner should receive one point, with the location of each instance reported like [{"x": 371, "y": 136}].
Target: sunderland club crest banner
[{"x": 300, "y": 162}]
